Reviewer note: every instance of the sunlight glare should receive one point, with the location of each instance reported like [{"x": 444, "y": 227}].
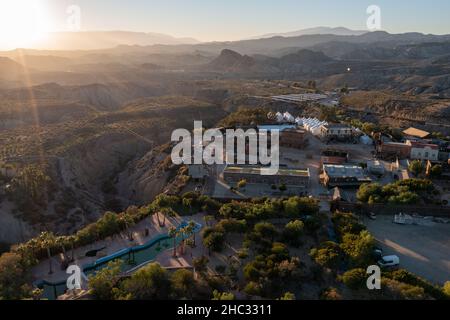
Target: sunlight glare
[{"x": 22, "y": 23}]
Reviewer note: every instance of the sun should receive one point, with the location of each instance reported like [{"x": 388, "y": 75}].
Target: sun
[{"x": 22, "y": 23}]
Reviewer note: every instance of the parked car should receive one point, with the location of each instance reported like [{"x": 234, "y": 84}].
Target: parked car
[
  {"x": 389, "y": 262},
  {"x": 378, "y": 253}
]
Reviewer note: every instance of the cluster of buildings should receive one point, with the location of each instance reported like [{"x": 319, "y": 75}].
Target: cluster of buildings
[
  {"x": 256, "y": 175},
  {"x": 335, "y": 171},
  {"x": 343, "y": 176},
  {"x": 322, "y": 129},
  {"x": 415, "y": 147}
]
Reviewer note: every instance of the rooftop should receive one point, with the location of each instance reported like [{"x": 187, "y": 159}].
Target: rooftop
[
  {"x": 345, "y": 171},
  {"x": 421, "y": 145},
  {"x": 414, "y": 132},
  {"x": 263, "y": 171},
  {"x": 337, "y": 126}
]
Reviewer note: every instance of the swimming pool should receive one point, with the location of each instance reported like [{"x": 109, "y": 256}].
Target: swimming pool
[{"x": 131, "y": 257}]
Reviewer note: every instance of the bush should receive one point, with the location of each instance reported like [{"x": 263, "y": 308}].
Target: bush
[
  {"x": 393, "y": 289},
  {"x": 103, "y": 282},
  {"x": 331, "y": 294},
  {"x": 224, "y": 296},
  {"x": 416, "y": 167},
  {"x": 183, "y": 283},
  {"x": 296, "y": 206},
  {"x": 214, "y": 241},
  {"x": 446, "y": 289},
  {"x": 288, "y": 296},
  {"x": 346, "y": 223},
  {"x": 253, "y": 289},
  {"x": 359, "y": 248},
  {"x": 410, "y": 278},
  {"x": 150, "y": 283},
  {"x": 355, "y": 279},
  {"x": 14, "y": 277},
  {"x": 329, "y": 255}
]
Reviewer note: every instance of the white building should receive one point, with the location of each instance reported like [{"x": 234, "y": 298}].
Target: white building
[
  {"x": 279, "y": 117},
  {"x": 289, "y": 117},
  {"x": 336, "y": 130},
  {"x": 423, "y": 151}
]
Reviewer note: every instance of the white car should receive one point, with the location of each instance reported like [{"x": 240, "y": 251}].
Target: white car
[{"x": 389, "y": 261}]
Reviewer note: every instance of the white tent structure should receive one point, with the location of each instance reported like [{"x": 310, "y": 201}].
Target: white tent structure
[
  {"x": 279, "y": 117},
  {"x": 288, "y": 117},
  {"x": 312, "y": 125}
]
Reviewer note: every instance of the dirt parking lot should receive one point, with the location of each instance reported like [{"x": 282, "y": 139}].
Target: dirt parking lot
[{"x": 423, "y": 250}]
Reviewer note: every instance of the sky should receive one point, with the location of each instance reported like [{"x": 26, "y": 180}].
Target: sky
[{"x": 214, "y": 20}]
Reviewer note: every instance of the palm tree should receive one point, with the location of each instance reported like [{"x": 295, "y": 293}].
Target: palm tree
[
  {"x": 173, "y": 232},
  {"x": 191, "y": 229},
  {"x": 208, "y": 219},
  {"x": 60, "y": 241},
  {"x": 183, "y": 232},
  {"x": 72, "y": 247},
  {"x": 167, "y": 212},
  {"x": 48, "y": 241},
  {"x": 157, "y": 218},
  {"x": 129, "y": 222}
]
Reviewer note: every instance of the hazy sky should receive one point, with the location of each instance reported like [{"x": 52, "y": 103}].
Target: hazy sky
[
  {"x": 236, "y": 19},
  {"x": 209, "y": 20}
]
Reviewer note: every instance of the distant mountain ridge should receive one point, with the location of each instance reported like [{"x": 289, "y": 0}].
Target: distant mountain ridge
[
  {"x": 95, "y": 40},
  {"x": 339, "y": 31}
]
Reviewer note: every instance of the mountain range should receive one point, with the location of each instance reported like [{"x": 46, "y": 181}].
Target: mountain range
[
  {"x": 339, "y": 31},
  {"x": 94, "y": 40}
]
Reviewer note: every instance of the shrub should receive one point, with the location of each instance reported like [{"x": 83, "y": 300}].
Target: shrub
[
  {"x": 288, "y": 296},
  {"x": 149, "y": 283},
  {"x": 355, "y": 279},
  {"x": 103, "y": 282},
  {"x": 359, "y": 248},
  {"x": 14, "y": 277},
  {"x": 293, "y": 231},
  {"x": 328, "y": 255},
  {"x": 214, "y": 241}
]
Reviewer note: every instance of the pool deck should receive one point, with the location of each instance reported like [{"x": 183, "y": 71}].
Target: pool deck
[{"x": 114, "y": 244}]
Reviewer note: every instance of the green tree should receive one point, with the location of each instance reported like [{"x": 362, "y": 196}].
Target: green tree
[
  {"x": 288, "y": 296},
  {"x": 416, "y": 167},
  {"x": 265, "y": 230},
  {"x": 436, "y": 171},
  {"x": 222, "y": 296},
  {"x": 293, "y": 231},
  {"x": 149, "y": 283},
  {"x": 183, "y": 283},
  {"x": 355, "y": 279},
  {"x": 14, "y": 276},
  {"x": 368, "y": 190},
  {"x": 328, "y": 255},
  {"x": 242, "y": 184},
  {"x": 214, "y": 241},
  {"x": 103, "y": 282},
  {"x": 446, "y": 289},
  {"x": 359, "y": 248},
  {"x": 47, "y": 240},
  {"x": 173, "y": 233}
]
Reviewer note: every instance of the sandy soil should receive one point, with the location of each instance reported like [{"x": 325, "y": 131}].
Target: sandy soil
[{"x": 423, "y": 250}]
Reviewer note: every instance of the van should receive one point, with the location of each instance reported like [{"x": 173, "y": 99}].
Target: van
[{"x": 389, "y": 261}]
